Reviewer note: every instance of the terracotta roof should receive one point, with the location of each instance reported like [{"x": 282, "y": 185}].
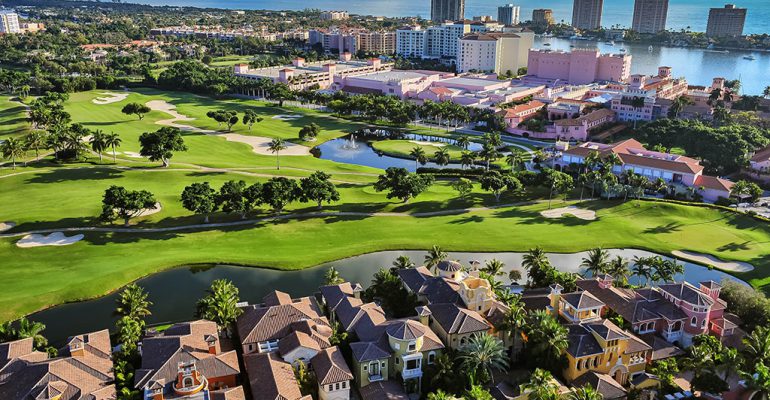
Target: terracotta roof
[
  {"x": 276, "y": 298},
  {"x": 582, "y": 342},
  {"x": 330, "y": 366},
  {"x": 28, "y": 374},
  {"x": 296, "y": 340},
  {"x": 685, "y": 291},
  {"x": 406, "y": 330},
  {"x": 414, "y": 278},
  {"x": 661, "y": 349},
  {"x": 183, "y": 343},
  {"x": 761, "y": 155},
  {"x": 332, "y": 295},
  {"x": 604, "y": 384},
  {"x": 456, "y": 320},
  {"x": 518, "y": 109},
  {"x": 262, "y": 323},
  {"x": 449, "y": 266},
  {"x": 318, "y": 330},
  {"x": 235, "y": 393},
  {"x": 593, "y": 116},
  {"x": 712, "y": 182},
  {"x": 367, "y": 351},
  {"x": 271, "y": 379},
  {"x": 606, "y": 330}
]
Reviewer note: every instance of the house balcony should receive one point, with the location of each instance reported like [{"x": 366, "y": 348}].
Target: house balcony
[
  {"x": 375, "y": 378},
  {"x": 411, "y": 373},
  {"x": 672, "y": 336}
]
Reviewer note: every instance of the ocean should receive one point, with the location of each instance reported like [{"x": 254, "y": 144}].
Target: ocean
[{"x": 682, "y": 14}]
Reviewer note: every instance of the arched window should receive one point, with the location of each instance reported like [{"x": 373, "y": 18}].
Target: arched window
[
  {"x": 578, "y": 365},
  {"x": 187, "y": 382},
  {"x": 694, "y": 321}
]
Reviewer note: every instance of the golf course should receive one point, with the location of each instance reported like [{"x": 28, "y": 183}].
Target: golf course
[{"x": 45, "y": 197}]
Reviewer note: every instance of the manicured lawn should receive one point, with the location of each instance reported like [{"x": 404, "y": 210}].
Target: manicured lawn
[
  {"x": 38, "y": 277},
  {"x": 402, "y": 148},
  {"x": 13, "y": 118}
]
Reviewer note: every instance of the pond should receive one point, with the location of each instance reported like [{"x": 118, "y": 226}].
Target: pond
[
  {"x": 175, "y": 292},
  {"x": 357, "y": 149}
]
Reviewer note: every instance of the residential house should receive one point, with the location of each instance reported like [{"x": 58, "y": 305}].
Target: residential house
[
  {"x": 577, "y": 129},
  {"x": 333, "y": 375},
  {"x": 760, "y": 161},
  {"x": 518, "y": 114},
  {"x": 676, "y": 170},
  {"x": 83, "y": 370},
  {"x": 187, "y": 359},
  {"x": 262, "y": 326},
  {"x": 455, "y": 325},
  {"x": 270, "y": 378}
]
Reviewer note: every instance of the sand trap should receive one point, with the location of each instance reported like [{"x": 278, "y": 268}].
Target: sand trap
[
  {"x": 707, "y": 259},
  {"x": 287, "y": 117},
  {"x": 258, "y": 144},
  {"x": 110, "y": 98},
  {"x": 581, "y": 213},
  {"x": 54, "y": 239},
  {"x": 151, "y": 211},
  {"x": 4, "y": 226},
  {"x": 132, "y": 154},
  {"x": 434, "y": 144}
]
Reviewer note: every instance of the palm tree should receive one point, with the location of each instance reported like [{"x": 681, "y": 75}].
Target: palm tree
[
  {"x": 98, "y": 144},
  {"x": 31, "y": 329},
  {"x": 514, "y": 159},
  {"x": 596, "y": 262},
  {"x": 13, "y": 149},
  {"x": 536, "y": 263},
  {"x": 757, "y": 346},
  {"x": 585, "y": 393},
  {"x": 441, "y": 157},
  {"x": 7, "y": 332},
  {"x": 514, "y": 275},
  {"x": 488, "y": 153},
  {"x": 641, "y": 268},
  {"x": 467, "y": 158},
  {"x": 112, "y": 140},
  {"x": 758, "y": 380},
  {"x": 618, "y": 268},
  {"x": 35, "y": 140},
  {"x": 403, "y": 262},
  {"x": 435, "y": 256},
  {"x": 133, "y": 303},
  {"x": 494, "y": 267},
  {"x": 220, "y": 305},
  {"x": 332, "y": 277},
  {"x": 276, "y": 146},
  {"x": 444, "y": 374},
  {"x": 482, "y": 356},
  {"x": 419, "y": 156},
  {"x": 546, "y": 340},
  {"x": 128, "y": 332},
  {"x": 440, "y": 395},
  {"x": 463, "y": 142},
  {"x": 542, "y": 386}
]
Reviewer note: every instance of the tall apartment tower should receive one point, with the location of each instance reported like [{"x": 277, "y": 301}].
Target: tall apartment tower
[
  {"x": 543, "y": 17},
  {"x": 727, "y": 21},
  {"x": 650, "y": 16},
  {"x": 9, "y": 22},
  {"x": 508, "y": 14},
  {"x": 447, "y": 10},
  {"x": 587, "y": 14}
]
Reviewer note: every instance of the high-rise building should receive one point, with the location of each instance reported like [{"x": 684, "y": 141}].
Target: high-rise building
[
  {"x": 543, "y": 17},
  {"x": 727, "y": 21},
  {"x": 508, "y": 14},
  {"x": 9, "y": 22},
  {"x": 438, "y": 42},
  {"x": 587, "y": 14},
  {"x": 650, "y": 16},
  {"x": 447, "y": 10},
  {"x": 494, "y": 52}
]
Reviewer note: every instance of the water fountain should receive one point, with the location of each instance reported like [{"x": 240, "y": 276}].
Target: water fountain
[{"x": 350, "y": 144}]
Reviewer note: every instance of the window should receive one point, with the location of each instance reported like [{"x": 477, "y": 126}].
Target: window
[
  {"x": 397, "y": 361},
  {"x": 694, "y": 321},
  {"x": 412, "y": 346},
  {"x": 431, "y": 357},
  {"x": 337, "y": 386},
  {"x": 331, "y": 387},
  {"x": 344, "y": 384}
]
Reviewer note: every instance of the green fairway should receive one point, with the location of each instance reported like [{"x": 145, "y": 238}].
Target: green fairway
[
  {"x": 13, "y": 118},
  {"x": 38, "y": 277},
  {"x": 402, "y": 148}
]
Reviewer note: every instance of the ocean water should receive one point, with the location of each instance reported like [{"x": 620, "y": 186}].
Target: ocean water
[{"x": 681, "y": 15}]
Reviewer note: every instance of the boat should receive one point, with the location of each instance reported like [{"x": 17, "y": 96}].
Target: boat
[
  {"x": 547, "y": 44},
  {"x": 749, "y": 57},
  {"x": 609, "y": 43}
]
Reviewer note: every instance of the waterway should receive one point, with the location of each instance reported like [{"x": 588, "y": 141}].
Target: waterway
[
  {"x": 699, "y": 66},
  {"x": 174, "y": 292}
]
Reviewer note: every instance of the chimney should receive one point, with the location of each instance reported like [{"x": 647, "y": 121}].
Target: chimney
[
  {"x": 605, "y": 281},
  {"x": 77, "y": 347},
  {"x": 298, "y": 62},
  {"x": 211, "y": 341},
  {"x": 555, "y": 295},
  {"x": 424, "y": 314},
  {"x": 357, "y": 289},
  {"x": 345, "y": 56}
]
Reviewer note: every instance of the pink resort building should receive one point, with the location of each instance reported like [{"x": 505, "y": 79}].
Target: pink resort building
[
  {"x": 579, "y": 67},
  {"x": 678, "y": 171}
]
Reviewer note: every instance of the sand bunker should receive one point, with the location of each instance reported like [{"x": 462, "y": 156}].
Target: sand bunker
[
  {"x": 54, "y": 239},
  {"x": 132, "y": 154},
  {"x": 258, "y": 144},
  {"x": 151, "y": 211},
  {"x": 287, "y": 117},
  {"x": 4, "y": 226},
  {"x": 581, "y": 213},
  {"x": 707, "y": 259},
  {"x": 434, "y": 144},
  {"x": 110, "y": 98}
]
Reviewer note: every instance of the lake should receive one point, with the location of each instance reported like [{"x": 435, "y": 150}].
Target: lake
[{"x": 174, "y": 292}]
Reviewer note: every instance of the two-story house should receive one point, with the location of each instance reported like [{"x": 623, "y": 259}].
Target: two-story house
[{"x": 332, "y": 374}]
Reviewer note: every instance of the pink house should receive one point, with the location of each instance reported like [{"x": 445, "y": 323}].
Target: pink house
[
  {"x": 579, "y": 67},
  {"x": 516, "y": 115},
  {"x": 672, "y": 168}
]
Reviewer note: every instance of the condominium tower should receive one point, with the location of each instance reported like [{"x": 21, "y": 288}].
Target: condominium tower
[
  {"x": 650, "y": 16},
  {"x": 508, "y": 14},
  {"x": 727, "y": 21},
  {"x": 543, "y": 17},
  {"x": 9, "y": 22},
  {"x": 447, "y": 10},
  {"x": 587, "y": 14}
]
